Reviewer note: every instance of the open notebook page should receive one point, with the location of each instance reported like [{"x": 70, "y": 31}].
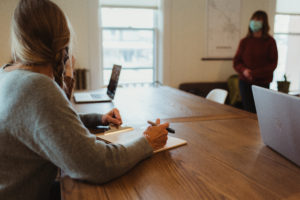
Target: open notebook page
[{"x": 124, "y": 135}]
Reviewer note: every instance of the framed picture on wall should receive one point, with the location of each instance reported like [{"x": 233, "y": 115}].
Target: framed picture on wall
[{"x": 223, "y": 27}]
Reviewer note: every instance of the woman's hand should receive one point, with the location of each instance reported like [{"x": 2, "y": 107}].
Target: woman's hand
[
  {"x": 248, "y": 74},
  {"x": 113, "y": 117},
  {"x": 157, "y": 136}
]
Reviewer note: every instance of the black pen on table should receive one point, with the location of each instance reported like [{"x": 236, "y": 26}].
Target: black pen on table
[{"x": 170, "y": 130}]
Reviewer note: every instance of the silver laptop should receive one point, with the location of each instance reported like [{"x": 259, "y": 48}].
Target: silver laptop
[
  {"x": 278, "y": 117},
  {"x": 101, "y": 96}
]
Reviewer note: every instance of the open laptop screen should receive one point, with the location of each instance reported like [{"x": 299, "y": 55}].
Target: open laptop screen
[{"x": 114, "y": 79}]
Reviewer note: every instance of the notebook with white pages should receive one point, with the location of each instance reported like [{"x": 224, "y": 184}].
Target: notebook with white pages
[{"x": 126, "y": 134}]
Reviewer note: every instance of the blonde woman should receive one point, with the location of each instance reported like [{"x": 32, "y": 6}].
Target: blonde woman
[{"x": 40, "y": 132}]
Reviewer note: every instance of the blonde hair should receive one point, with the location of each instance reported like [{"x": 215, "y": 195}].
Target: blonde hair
[{"x": 41, "y": 34}]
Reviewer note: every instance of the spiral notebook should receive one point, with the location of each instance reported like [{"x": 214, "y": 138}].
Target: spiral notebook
[{"x": 126, "y": 134}]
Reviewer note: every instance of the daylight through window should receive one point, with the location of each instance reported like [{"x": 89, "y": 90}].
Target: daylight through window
[{"x": 129, "y": 39}]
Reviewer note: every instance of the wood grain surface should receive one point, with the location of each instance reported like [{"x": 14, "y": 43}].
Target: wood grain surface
[
  {"x": 139, "y": 104},
  {"x": 224, "y": 159}
]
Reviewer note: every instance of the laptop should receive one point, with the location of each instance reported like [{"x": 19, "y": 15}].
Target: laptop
[
  {"x": 101, "y": 96},
  {"x": 278, "y": 117}
]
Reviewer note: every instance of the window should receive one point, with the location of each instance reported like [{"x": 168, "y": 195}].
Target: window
[
  {"x": 287, "y": 36},
  {"x": 129, "y": 39}
]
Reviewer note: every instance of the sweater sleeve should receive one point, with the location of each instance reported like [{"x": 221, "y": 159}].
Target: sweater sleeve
[
  {"x": 272, "y": 61},
  {"x": 91, "y": 120},
  {"x": 53, "y": 130},
  {"x": 238, "y": 63}
]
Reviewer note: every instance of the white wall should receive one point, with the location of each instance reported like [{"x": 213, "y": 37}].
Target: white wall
[
  {"x": 6, "y": 11},
  {"x": 187, "y": 41},
  {"x": 86, "y": 41},
  {"x": 184, "y": 38},
  {"x": 83, "y": 15},
  {"x": 77, "y": 12}
]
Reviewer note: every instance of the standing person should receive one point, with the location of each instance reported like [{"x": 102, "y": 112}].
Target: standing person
[
  {"x": 255, "y": 59},
  {"x": 40, "y": 131}
]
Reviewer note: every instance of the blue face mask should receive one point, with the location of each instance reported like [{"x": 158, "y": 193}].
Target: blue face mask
[{"x": 255, "y": 25}]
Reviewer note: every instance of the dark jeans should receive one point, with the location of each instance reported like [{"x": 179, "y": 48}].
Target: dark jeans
[
  {"x": 247, "y": 95},
  {"x": 55, "y": 191}
]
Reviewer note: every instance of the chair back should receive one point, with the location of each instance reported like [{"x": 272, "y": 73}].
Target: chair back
[{"x": 217, "y": 95}]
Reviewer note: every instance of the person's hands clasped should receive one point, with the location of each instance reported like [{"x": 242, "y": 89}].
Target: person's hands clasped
[
  {"x": 112, "y": 117},
  {"x": 157, "y": 136},
  {"x": 248, "y": 74}
]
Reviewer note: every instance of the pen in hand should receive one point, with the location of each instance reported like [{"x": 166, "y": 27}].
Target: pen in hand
[{"x": 170, "y": 130}]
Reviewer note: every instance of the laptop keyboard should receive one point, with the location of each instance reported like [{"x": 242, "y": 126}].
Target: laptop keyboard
[{"x": 98, "y": 96}]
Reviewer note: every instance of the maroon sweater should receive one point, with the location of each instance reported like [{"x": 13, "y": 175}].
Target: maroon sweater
[{"x": 260, "y": 56}]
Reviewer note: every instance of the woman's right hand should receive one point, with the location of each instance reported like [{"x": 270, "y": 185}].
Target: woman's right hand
[{"x": 157, "y": 136}]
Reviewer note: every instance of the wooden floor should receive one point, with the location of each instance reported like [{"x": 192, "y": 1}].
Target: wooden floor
[{"x": 224, "y": 158}]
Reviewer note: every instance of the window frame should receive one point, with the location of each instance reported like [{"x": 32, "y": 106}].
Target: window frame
[
  {"x": 287, "y": 34},
  {"x": 155, "y": 41}
]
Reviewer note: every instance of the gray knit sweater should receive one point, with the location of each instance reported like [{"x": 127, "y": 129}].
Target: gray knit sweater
[{"x": 40, "y": 131}]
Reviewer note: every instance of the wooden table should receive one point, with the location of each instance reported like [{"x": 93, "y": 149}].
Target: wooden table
[
  {"x": 139, "y": 104},
  {"x": 224, "y": 158}
]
